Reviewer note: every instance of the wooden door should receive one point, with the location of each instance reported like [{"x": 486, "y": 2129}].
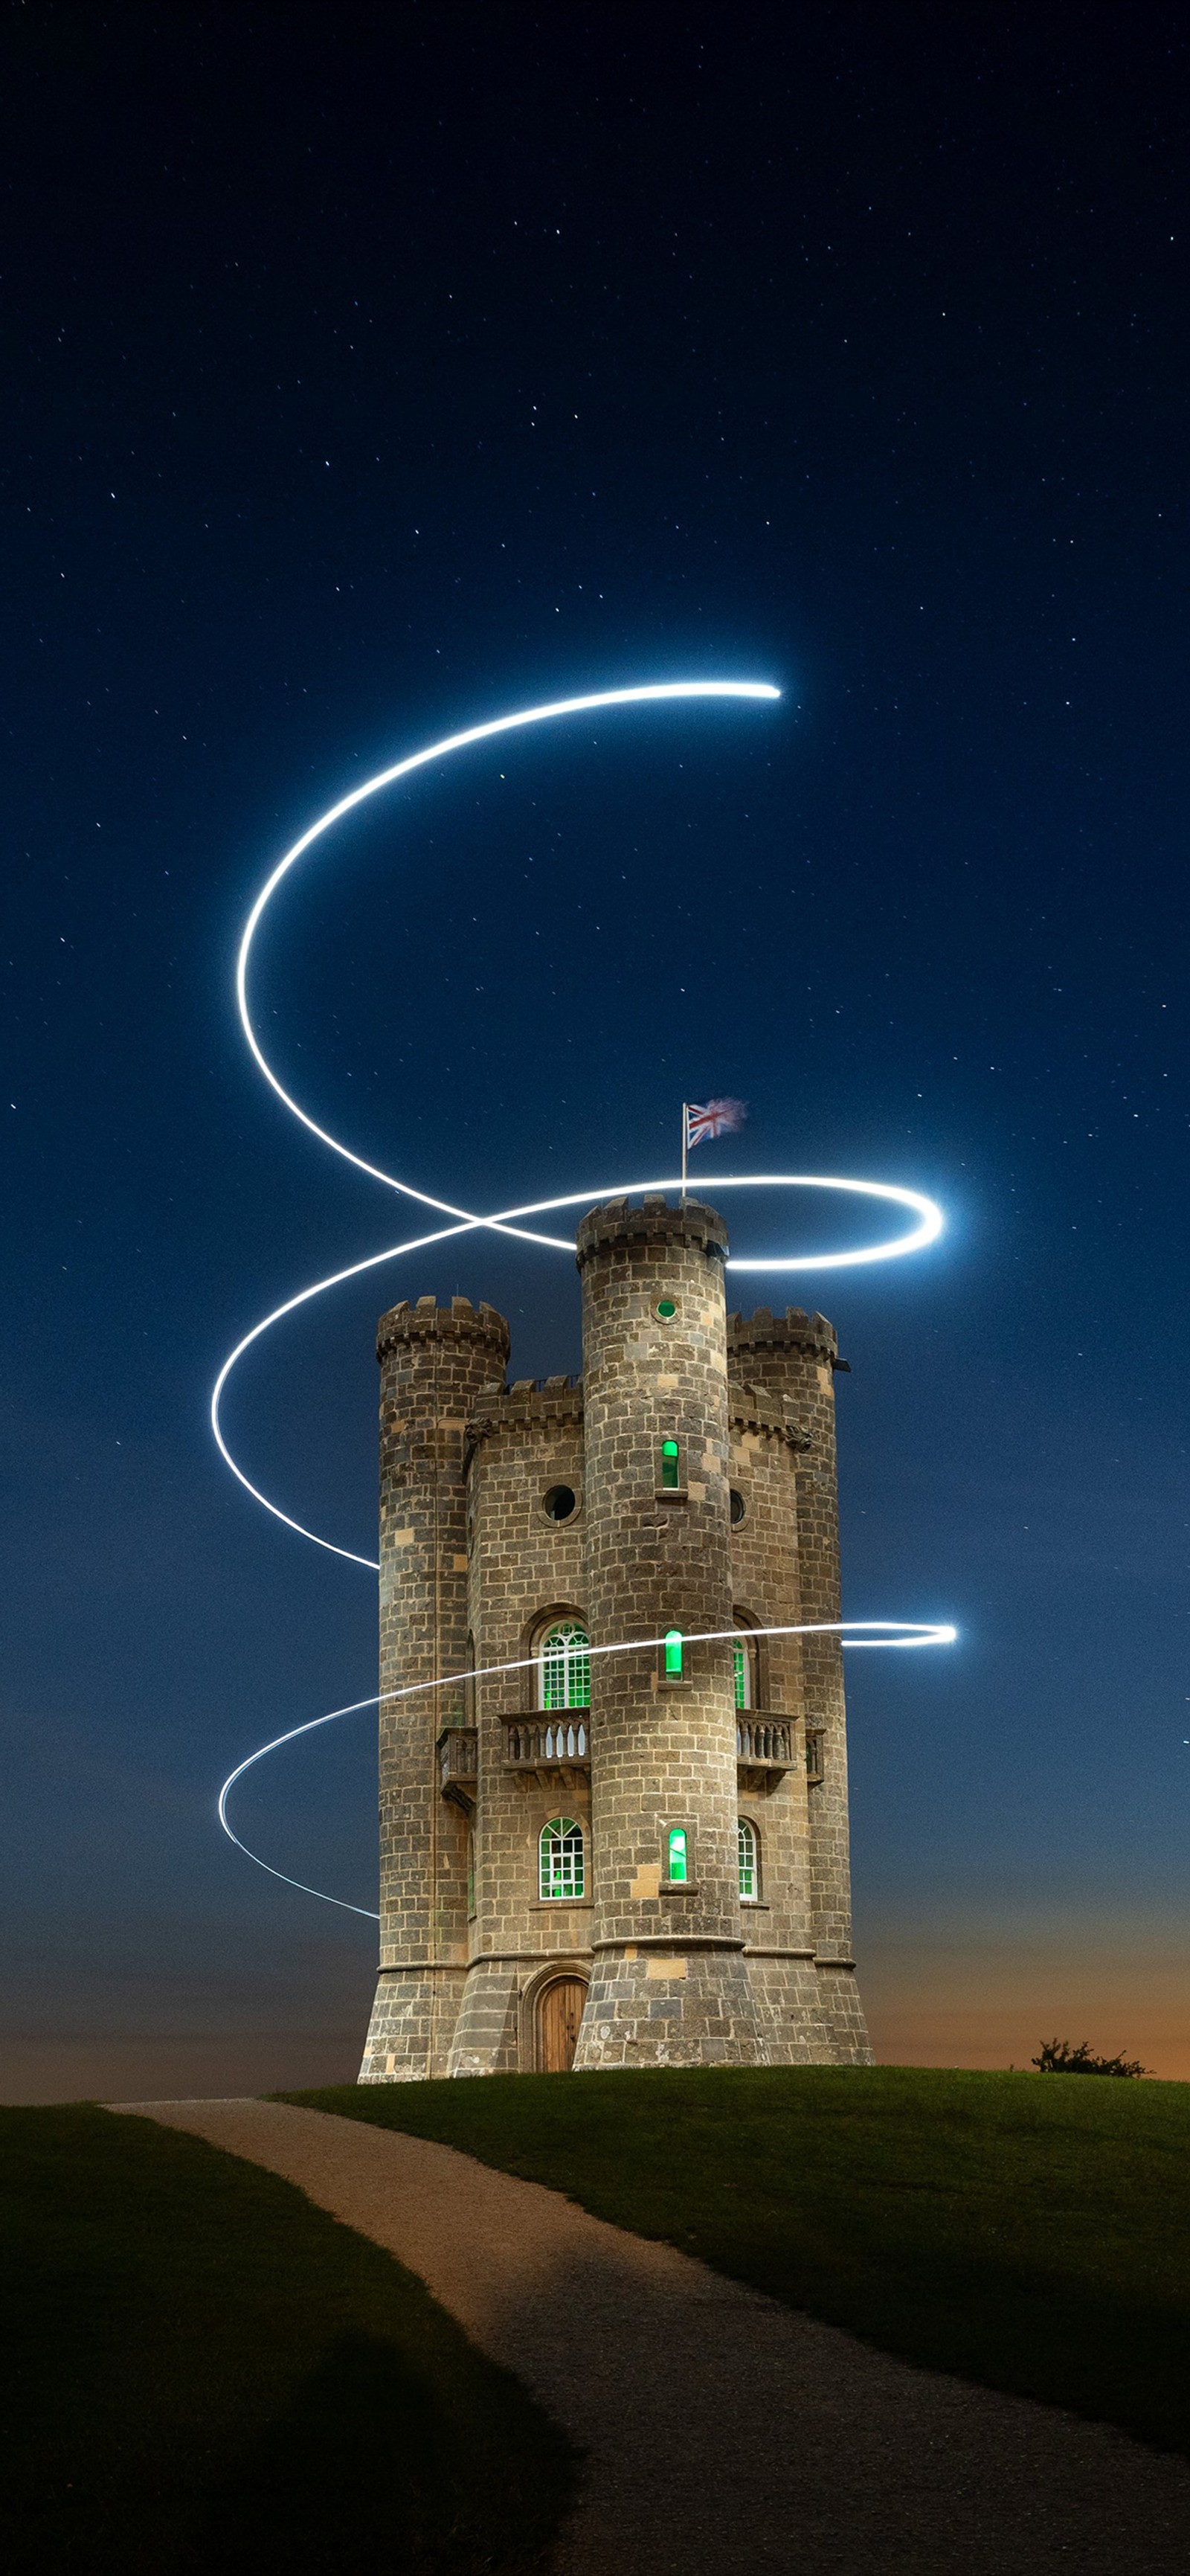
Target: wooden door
[{"x": 559, "y": 2012}]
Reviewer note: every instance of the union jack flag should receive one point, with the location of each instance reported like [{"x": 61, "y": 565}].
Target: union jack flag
[{"x": 708, "y": 1118}]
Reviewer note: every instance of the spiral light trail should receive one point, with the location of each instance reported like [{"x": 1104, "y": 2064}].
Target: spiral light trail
[{"x": 506, "y": 1221}]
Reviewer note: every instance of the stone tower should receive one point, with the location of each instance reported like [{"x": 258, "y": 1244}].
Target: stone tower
[
  {"x": 627, "y": 1859},
  {"x": 434, "y": 1365}
]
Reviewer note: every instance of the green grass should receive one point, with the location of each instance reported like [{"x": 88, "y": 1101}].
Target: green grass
[
  {"x": 200, "y": 2371},
  {"x": 1031, "y": 2232}
]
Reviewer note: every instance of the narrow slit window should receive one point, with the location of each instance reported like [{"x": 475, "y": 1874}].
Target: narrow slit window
[
  {"x": 749, "y": 1871},
  {"x": 469, "y": 1684},
  {"x": 740, "y": 1662},
  {"x": 671, "y": 1466},
  {"x": 677, "y": 1871},
  {"x": 814, "y": 1753},
  {"x": 560, "y": 1860},
  {"x": 673, "y": 1654}
]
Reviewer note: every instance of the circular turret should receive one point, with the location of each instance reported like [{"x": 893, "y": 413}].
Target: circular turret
[
  {"x": 669, "y": 1985},
  {"x": 460, "y": 1322}
]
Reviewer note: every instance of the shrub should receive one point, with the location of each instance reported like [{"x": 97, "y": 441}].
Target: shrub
[{"x": 1059, "y": 2058}]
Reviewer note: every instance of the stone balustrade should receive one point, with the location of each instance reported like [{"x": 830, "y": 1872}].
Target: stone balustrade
[
  {"x": 548, "y": 1738},
  {"x": 763, "y": 1743}
]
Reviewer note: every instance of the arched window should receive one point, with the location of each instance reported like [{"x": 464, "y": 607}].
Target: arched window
[
  {"x": 564, "y": 1664},
  {"x": 743, "y": 1652},
  {"x": 749, "y": 1863},
  {"x": 677, "y": 1856},
  {"x": 560, "y": 1858}
]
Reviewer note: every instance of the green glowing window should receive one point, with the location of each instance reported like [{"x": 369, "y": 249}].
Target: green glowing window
[
  {"x": 666, "y": 1308},
  {"x": 565, "y": 1653},
  {"x": 560, "y": 1859},
  {"x": 673, "y": 1652},
  {"x": 675, "y": 1849},
  {"x": 743, "y": 1660},
  {"x": 670, "y": 1463},
  {"x": 749, "y": 1864}
]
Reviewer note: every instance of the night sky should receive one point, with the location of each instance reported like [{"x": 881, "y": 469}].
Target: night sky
[{"x": 369, "y": 372}]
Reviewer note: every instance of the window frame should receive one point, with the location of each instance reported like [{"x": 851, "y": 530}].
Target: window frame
[
  {"x": 553, "y": 1624},
  {"x": 747, "y": 1644},
  {"x": 568, "y": 1830},
  {"x": 671, "y": 1825},
  {"x": 745, "y": 1825}
]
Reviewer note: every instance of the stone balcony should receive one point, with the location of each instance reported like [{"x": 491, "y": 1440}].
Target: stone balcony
[
  {"x": 458, "y": 1765},
  {"x": 764, "y": 1748},
  {"x": 553, "y": 1747},
  {"x": 550, "y": 1746}
]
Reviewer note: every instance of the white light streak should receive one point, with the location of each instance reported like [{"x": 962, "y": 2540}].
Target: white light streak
[
  {"x": 853, "y": 1633},
  {"x": 507, "y": 1221},
  {"x": 653, "y": 693}
]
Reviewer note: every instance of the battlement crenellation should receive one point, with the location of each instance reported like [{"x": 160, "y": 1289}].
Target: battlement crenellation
[
  {"x": 652, "y": 1222},
  {"x": 792, "y": 1331},
  {"x": 427, "y": 1321}
]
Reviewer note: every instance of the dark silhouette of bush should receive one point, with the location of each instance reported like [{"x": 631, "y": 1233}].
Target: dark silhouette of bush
[{"x": 1059, "y": 2058}]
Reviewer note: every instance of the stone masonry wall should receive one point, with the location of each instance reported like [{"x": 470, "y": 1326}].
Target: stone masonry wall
[
  {"x": 791, "y": 1360},
  {"x": 767, "y": 1446},
  {"x": 433, "y": 1361},
  {"x": 525, "y": 1569},
  {"x": 669, "y": 1982}
]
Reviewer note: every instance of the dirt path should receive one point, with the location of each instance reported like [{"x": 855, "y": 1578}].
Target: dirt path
[{"x": 724, "y": 2433}]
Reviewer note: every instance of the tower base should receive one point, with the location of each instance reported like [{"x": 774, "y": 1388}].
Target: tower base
[
  {"x": 412, "y": 2024},
  {"x": 670, "y": 2007},
  {"x": 809, "y": 2009},
  {"x": 842, "y": 2013},
  {"x": 486, "y": 2038}
]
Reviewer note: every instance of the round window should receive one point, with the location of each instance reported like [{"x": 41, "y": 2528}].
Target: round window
[
  {"x": 666, "y": 1308},
  {"x": 561, "y": 1503},
  {"x": 738, "y": 1508}
]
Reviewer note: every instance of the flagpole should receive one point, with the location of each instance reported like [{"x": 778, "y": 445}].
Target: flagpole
[{"x": 685, "y": 1142}]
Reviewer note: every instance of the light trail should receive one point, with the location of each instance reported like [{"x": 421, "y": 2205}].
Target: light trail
[
  {"x": 853, "y": 1632},
  {"x": 506, "y": 1221}
]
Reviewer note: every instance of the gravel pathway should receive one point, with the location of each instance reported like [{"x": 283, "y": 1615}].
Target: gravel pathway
[{"x": 723, "y": 2433}]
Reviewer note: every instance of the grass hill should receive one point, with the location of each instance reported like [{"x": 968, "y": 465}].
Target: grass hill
[
  {"x": 199, "y": 2370},
  {"x": 1029, "y": 2231}
]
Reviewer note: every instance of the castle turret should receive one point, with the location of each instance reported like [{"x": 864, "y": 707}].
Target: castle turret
[
  {"x": 435, "y": 1362},
  {"x": 783, "y": 1366},
  {"x": 669, "y": 1984}
]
